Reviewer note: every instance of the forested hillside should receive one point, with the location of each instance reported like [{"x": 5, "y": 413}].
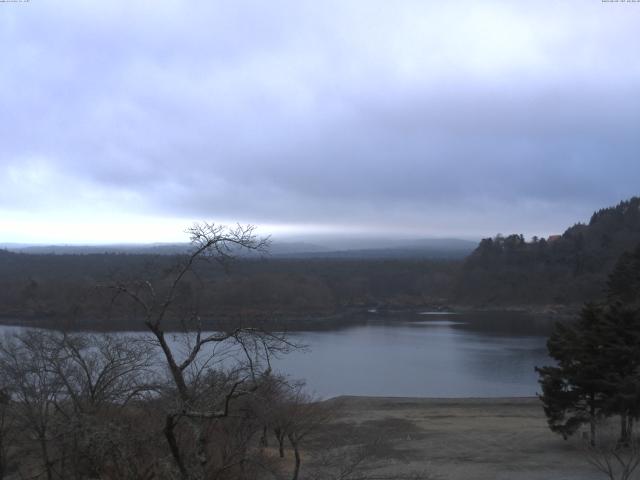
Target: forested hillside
[
  {"x": 567, "y": 269},
  {"x": 71, "y": 289}
]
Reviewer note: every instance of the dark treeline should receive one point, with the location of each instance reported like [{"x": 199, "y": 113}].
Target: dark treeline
[
  {"x": 566, "y": 269},
  {"x": 67, "y": 288}
]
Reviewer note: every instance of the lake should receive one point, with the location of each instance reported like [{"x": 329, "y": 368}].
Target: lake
[
  {"x": 428, "y": 355},
  {"x": 420, "y": 354}
]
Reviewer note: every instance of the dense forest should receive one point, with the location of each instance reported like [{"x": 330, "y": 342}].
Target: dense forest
[
  {"x": 69, "y": 289},
  {"x": 564, "y": 269}
]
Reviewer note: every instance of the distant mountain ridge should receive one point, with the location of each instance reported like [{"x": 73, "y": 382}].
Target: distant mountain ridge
[
  {"x": 150, "y": 249},
  {"x": 420, "y": 248},
  {"x": 570, "y": 268}
]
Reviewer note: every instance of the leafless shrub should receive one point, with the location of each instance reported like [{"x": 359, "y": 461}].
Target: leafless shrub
[
  {"x": 66, "y": 392},
  {"x": 356, "y": 462},
  {"x": 615, "y": 461},
  {"x": 8, "y": 434}
]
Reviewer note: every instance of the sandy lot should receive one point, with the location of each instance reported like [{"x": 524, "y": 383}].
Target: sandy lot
[{"x": 458, "y": 439}]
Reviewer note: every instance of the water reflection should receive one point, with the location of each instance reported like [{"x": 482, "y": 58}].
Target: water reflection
[{"x": 442, "y": 356}]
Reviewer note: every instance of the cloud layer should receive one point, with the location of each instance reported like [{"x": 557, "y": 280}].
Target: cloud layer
[{"x": 420, "y": 118}]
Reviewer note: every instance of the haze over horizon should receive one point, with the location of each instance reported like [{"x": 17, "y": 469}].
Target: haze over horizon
[{"x": 127, "y": 122}]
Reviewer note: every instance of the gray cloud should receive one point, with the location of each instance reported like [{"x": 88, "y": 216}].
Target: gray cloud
[{"x": 425, "y": 118}]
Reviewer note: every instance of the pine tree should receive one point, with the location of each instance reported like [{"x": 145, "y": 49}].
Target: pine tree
[
  {"x": 623, "y": 366},
  {"x": 598, "y": 359},
  {"x": 574, "y": 391},
  {"x": 623, "y": 285},
  {"x": 622, "y": 320}
]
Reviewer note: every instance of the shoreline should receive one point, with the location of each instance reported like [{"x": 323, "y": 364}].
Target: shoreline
[
  {"x": 345, "y": 318},
  {"x": 432, "y": 400}
]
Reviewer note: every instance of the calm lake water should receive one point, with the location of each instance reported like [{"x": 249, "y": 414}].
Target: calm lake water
[
  {"x": 422, "y": 354},
  {"x": 428, "y": 355}
]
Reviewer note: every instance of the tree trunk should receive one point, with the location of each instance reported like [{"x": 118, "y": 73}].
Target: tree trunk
[
  {"x": 280, "y": 436},
  {"x": 45, "y": 458},
  {"x": 2, "y": 458},
  {"x": 201, "y": 449},
  {"x": 624, "y": 440},
  {"x": 169, "y": 434},
  {"x": 296, "y": 453},
  {"x": 592, "y": 424},
  {"x": 264, "y": 439},
  {"x": 176, "y": 372}
]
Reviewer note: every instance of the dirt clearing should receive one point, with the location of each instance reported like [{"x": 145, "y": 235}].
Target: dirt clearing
[{"x": 476, "y": 439}]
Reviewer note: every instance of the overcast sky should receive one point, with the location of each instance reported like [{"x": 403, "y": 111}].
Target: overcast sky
[{"x": 129, "y": 120}]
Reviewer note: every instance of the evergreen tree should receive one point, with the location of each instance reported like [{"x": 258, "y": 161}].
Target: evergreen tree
[
  {"x": 573, "y": 392},
  {"x": 623, "y": 285},
  {"x": 623, "y": 325},
  {"x": 598, "y": 359}
]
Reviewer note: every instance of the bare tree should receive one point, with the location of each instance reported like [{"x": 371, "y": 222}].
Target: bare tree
[
  {"x": 208, "y": 370},
  {"x": 67, "y": 393},
  {"x": 8, "y": 433},
  {"x": 35, "y": 388},
  {"x": 99, "y": 374},
  {"x": 295, "y": 415},
  {"x": 614, "y": 460},
  {"x": 102, "y": 370}
]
